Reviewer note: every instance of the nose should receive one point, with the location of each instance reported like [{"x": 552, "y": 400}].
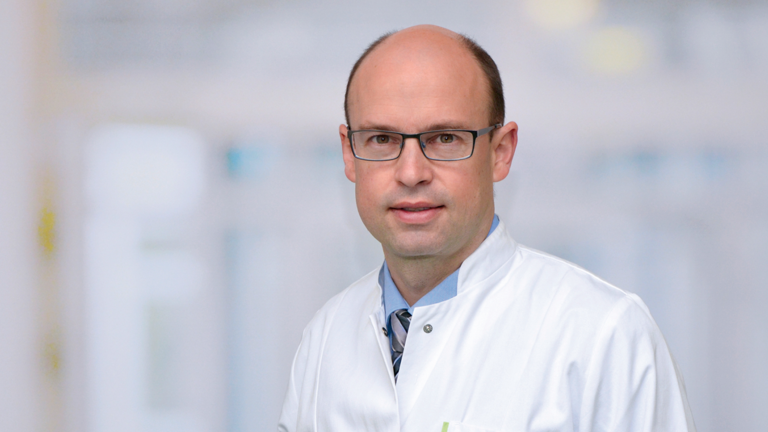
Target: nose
[{"x": 413, "y": 168}]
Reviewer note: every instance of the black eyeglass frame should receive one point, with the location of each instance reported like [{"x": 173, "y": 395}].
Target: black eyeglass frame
[{"x": 475, "y": 134}]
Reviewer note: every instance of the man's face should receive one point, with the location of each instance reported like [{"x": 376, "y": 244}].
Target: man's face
[{"x": 414, "y": 206}]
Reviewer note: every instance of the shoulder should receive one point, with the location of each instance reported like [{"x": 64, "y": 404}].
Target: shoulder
[
  {"x": 615, "y": 356},
  {"x": 351, "y": 303},
  {"x": 578, "y": 302},
  {"x": 573, "y": 285}
]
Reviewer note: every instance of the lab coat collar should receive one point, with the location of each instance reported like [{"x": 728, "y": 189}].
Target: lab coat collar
[
  {"x": 497, "y": 249},
  {"x": 445, "y": 290}
]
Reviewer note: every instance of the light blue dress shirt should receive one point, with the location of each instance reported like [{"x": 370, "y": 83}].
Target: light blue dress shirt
[{"x": 393, "y": 300}]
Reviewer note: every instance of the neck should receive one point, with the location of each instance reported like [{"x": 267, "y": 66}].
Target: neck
[{"x": 416, "y": 276}]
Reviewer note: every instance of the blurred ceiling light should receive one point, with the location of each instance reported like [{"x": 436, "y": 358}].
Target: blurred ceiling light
[
  {"x": 561, "y": 14},
  {"x": 615, "y": 51}
]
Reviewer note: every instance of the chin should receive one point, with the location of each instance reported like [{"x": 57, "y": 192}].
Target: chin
[
  {"x": 416, "y": 247},
  {"x": 414, "y": 252}
]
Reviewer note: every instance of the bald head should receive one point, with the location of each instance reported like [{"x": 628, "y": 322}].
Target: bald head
[{"x": 423, "y": 48}]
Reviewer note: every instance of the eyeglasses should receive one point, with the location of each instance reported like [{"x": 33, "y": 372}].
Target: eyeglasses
[{"x": 438, "y": 145}]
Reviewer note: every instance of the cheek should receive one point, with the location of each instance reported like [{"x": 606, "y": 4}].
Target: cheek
[
  {"x": 472, "y": 191},
  {"x": 468, "y": 185},
  {"x": 367, "y": 195},
  {"x": 361, "y": 198},
  {"x": 370, "y": 207}
]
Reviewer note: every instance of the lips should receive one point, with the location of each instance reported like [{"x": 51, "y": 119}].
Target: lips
[
  {"x": 415, "y": 206},
  {"x": 410, "y": 209},
  {"x": 416, "y": 212}
]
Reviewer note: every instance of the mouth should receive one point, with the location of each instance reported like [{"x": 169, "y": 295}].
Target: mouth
[
  {"x": 415, "y": 209},
  {"x": 416, "y": 206},
  {"x": 416, "y": 213}
]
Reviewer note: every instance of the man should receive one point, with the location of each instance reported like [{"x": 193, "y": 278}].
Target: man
[{"x": 462, "y": 329}]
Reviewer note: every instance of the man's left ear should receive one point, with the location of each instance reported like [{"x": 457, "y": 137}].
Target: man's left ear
[{"x": 503, "y": 150}]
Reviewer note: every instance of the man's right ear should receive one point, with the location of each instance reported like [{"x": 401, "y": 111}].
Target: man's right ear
[{"x": 346, "y": 151}]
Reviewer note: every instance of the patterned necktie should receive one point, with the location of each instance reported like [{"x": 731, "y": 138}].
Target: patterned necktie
[{"x": 400, "y": 320}]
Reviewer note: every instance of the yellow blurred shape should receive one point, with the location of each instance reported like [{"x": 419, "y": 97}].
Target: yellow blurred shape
[
  {"x": 52, "y": 356},
  {"x": 46, "y": 230},
  {"x": 614, "y": 51},
  {"x": 561, "y": 14}
]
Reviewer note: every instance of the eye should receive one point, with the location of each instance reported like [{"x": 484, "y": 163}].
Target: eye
[
  {"x": 381, "y": 139},
  {"x": 446, "y": 138}
]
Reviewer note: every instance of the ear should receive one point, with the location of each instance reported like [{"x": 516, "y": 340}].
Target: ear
[
  {"x": 503, "y": 150},
  {"x": 346, "y": 150}
]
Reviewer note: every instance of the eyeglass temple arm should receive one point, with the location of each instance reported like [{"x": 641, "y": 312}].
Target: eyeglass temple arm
[{"x": 484, "y": 131}]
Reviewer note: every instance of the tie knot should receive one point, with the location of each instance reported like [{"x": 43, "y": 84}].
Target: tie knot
[{"x": 403, "y": 317}]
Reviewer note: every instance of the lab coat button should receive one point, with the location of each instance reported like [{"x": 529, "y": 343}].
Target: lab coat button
[{"x": 428, "y": 328}]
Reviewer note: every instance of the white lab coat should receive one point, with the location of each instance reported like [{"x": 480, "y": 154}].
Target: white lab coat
[{"x": 529, "y": 343}]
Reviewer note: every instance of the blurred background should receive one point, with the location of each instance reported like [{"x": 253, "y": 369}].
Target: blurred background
[{"x": 173, "y": 207}]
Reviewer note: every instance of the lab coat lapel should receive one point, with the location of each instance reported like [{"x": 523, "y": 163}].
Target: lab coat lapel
[{"x": 422, "y": 351}]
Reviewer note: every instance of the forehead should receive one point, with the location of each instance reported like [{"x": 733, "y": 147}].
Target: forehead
[{"x": 415, "y": 81}]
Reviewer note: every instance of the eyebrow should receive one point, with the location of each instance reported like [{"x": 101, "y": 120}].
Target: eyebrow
[{"x": 430, "y": 127}]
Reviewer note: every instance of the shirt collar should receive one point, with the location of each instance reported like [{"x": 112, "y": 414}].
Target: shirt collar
[{"x": 445, "y": 290}]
